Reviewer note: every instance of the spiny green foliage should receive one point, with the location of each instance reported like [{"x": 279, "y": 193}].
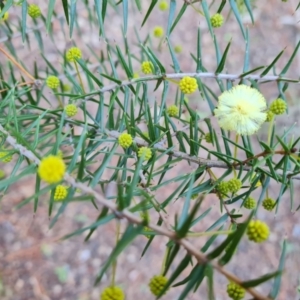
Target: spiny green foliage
[{"x": 118, "y": 122}]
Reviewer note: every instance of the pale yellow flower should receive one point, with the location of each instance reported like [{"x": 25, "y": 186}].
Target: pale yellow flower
[{"x": 241, "y": 109}]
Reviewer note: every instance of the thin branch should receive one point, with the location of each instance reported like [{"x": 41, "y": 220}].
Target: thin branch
[
  {"x": 231, "y": 77},
  {"x": 198, "y": 160},
  {"x": 192, "y": 250}
]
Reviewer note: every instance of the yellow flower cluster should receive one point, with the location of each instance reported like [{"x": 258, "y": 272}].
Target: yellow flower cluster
[
  {"x": 112, "y": 293},
  {"x": 235, "y": 291},
  {"x": 241, "y": 109},
  {"x": 178, "y": 49},
  {"x": 71, "y": 110},
  {"x": 258, "y": 231},
  {"x": 34, "y": 11},
  {"x": 278, "y": 107},
  {"x": 173, "y": 111},
  {"x": 5, "y": 16},
  {"x": 5, "y": 156},
  {"x": 52, "y": 82},
  {"x": 146, "y": 152},
  {"x": 208, "y": 138},
  {"x": 52, "y": 169},
  {"x": 163, "y": 5},
  {"x": 147, "y": 67},
  {"x": 158, "y": 31},
  {"x": 157, "y": 284},
  {"x": 60, "y": 193},
  {"x": 250, "y": 203},
  {"x": 188, "y": 85},
  {"x": 73, "y": 54},
  {"x": 269, "y": 204},
  {"x": 125, "y": 140},
  {"x": 217, "y": 20}
]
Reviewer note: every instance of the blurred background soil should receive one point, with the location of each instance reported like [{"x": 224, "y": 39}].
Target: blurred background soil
[{"x": 35, "y": 264}]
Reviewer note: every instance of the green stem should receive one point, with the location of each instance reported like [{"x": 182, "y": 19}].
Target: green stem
[
  {"x": 114, "y": 265},
  {"x": 235, "y": 151},
  {"x": 209, "y": 233},
  {"x": 270, "y": 131},
  {"x": 59, "y": 100},
  {"x": 163, "y": 267},
  {"x": 79, "y": 76}
]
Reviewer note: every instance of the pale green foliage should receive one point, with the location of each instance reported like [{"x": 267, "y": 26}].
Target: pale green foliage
[{"x": 113, "y": 96}]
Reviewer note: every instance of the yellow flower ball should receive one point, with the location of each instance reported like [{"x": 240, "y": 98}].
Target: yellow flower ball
[
  {"x": 250, "y": 203},
  {"x": 223, "y": 189},
  {"x": 241, "y": 109},
  {"x": 71, "y": 110},
  {"x": 136, "y": 75},
  {"x": 278, "y": 107},
  {"x": 52, "y": 169},
  {"x": 270, "y": 116},
  {"x": 147, "y": 67},
  {"x": 5, "y": 156},
  {"x": 60, "y": 193},
  {"x": 125, "y": 140},
  {"x": 234, "y": 185},
  {"x": 178, "y": 49},
  {"x": 5, "y": 16},
  {"x": 173, "y": 111},
  {"x": 157, "y": 284},
  {"x": 217, "y": 20},
  {"x": 73, "y": 54},
  {"x": 268, "y": 204},
  {"x": 158, "y": 31},
  {"x": 66, "y": 87},
  {"x": 146, "y": 152},
  {"x": 34, "y": 11},
  {"x": 52, "y": 82},
  {"x": 188, "y": 85},
  {"x": 235, "y": 291},
  {"x": 2, "y": 174},
  {"x": 258, "y": 231},
  {"x": 112, "y": 293},
  {"x": 163, "y": 5},
  {"x": 208, "y": 138}
]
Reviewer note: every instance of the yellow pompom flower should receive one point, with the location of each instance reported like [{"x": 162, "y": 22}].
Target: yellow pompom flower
[
  {"x": 52, "y": 82},
  {"x": 157, "y": 284},
  {"x": 2, "y": 174},
  {"x": 269, "y": 204},
  {"x": 52, "y": 169},
  {"x": 125, "y": 140},
  {"x": 73, "y": 54},
  {"x": 178, "y": 49},
  {"x": 34, "y": 11},
  {"x": 66, "y": 87},
  {"x": 112, "y": 293},
  {"x": 146, "y": 152},
  {"x": 163, "y": 5},
  {"x": 5, "y": 156},
  {"x": 60, "y": 193},
  {"x": 258, "y": 231},
  {"x": 208, "y": 138},
  {"x": 173, "y": 111},
  {"x": 223, "y": 189},
  {"x": 147, "y": 67},
  {"x": 241, "y": 109},
  {"x": 278, "y": 107},
  {"x": 158, "y": 31},
  {"x": 250, "y": 203},
  {"x": 217, "y": 20},
  {"x": 188, "y": 85},
  {"x": 270, "y": 116},
  {"x": 71, "y": 110},
  {"x": 235, "y": 291},
  {"x": 5, "y": 16},
  {"x": 234, "y": 185},
  {"x": 136, "y": 75}
]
